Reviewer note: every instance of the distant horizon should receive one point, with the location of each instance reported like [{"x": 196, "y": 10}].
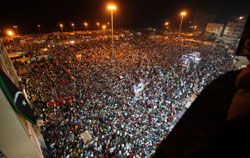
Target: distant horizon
[{"x": 90, "y": 30}]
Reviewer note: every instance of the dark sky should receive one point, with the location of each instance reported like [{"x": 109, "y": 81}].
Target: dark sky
[{"x": 131, "y": 13}]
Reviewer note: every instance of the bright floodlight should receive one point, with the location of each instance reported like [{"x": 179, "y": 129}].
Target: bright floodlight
[
  {"x": 104, "y": 27},
  {"x": 241, "y": 17},
  {"x": 166, "y": 23},
  {"x": 111, "y": 7},
  {"x": 85, "y": 24},
  {"x": 183, "y": 13},
  {"x": 10, "y": 33},
  {"x": 97, "y": 23},
  {"x": 61, "y": 25},
  {"x": 72, "y": 24}
]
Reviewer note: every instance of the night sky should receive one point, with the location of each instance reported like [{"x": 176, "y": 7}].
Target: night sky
[{"x": 131, "y": 13}]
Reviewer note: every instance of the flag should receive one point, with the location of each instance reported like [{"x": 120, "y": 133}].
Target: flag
[
  {"x": 109, "y": 90},
  {"x": 52, "y": 103},
  {"x": 70, "y": 100},
  {"x": 121, "y": 77},
  {"x": 55, "y": 98},
  {"x": 16, "y": 98},
  {"x": 64, "y": 82},
  {"x": 61, "y": 99}
]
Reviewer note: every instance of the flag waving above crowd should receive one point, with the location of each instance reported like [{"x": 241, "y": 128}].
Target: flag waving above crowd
[{"x": 16, "y": 98}]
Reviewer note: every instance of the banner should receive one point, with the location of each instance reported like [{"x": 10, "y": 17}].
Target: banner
[
  {"x": 16, "y": 98},
  {"x": 86, "y": 137}
]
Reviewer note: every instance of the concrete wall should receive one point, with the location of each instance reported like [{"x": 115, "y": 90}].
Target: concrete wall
[{"x": 14, "y": 140}]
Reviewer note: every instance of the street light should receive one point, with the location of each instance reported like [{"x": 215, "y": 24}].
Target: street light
[
  {"x": 98, "y": 24},
  {"x": 61, "y": 26},
  {"x": 10, "y": 33},
  {"x": 108, "y": 25},
  {"x": 104, "y": 27},
  {"x": 194, "y": 27},
  {"x": 182, "y": 15},
  {"x": 38, "y": 26},
  {"x": 15, "y": 27},
  {"x": 85, "y": 24},
  {"x": 166, "y": 24},
  {"x": 112, "y": 7},
  {"x": 73, "y": 26},
  {"x": 241, "y": 17}
]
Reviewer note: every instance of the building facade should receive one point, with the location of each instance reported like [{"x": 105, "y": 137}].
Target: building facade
[
  {"x": 234, "y": 28},
  {"x": 215, "y": 28}
]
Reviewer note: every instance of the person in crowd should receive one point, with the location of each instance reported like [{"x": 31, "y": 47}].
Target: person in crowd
[{"x": 102, "y": 97}]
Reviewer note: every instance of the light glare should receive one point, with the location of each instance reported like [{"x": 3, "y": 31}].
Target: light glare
[
  {"x": 183, "y": 13},
  {"x": 10, "y": 33},
  {"x": 111, "y": 7}
]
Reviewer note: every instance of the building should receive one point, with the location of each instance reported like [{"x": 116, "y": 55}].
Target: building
[
  {"x": 201, "y": 19},
  {"x": 19, "y": 137},
  {"x": 234, "y": 29},
  {"x": 215, "y": 28}
]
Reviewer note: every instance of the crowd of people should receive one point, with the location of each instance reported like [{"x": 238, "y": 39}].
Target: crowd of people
[{"x": 97, "y": 93}]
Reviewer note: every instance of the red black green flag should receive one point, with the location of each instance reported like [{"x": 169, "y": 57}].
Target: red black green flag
[{"x": 16, "y": 98}]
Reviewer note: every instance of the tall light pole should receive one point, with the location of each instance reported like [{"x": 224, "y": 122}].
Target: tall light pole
[
  {"x": 97, "y": 25},
  {"x": 166, "y": 24},
  {"x": 182, "y": 15},
  {"x": 194, "y": 27},
  {"x": 73, "y": 26},
  {"x": 61, "y": 26},
  {"x": 108, "y": 24},
  {"x": 86, "y": 25},
  {"x": 15, "y": 27},
  {"x": 38, "y": 26},
  {"x": 112, "y": 8}
]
